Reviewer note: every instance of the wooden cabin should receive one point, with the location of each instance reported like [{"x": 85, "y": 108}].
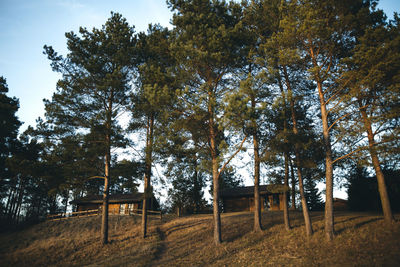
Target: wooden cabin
[
  {"x": 122, "y": 204},
  {"x": 340, "y": 204},
  {"x": 242, "y": 198}
]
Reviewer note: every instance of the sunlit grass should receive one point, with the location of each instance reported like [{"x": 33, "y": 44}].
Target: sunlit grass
[{"x": 361, "y": 240}]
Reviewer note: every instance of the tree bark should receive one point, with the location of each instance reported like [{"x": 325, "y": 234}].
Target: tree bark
[
  {"x": 285, "y": 194},
  {"x": 215, "y": 172},
  {"x": 293, "y": 182},
  {"x": 286, "y": 158},
  {"x": 306, "y": 213},
  {"x": 387, "y": 211},
  {"x": 257, "y": 206},
  {"x": 329, "y": 224},
  {"x": 21, "y": 189},
  {"x": 329, "y": 220},
  {"x": 104, "y": 217},
  {"x": 147, "y": 177},
  {"x": 216, "y": 214}
]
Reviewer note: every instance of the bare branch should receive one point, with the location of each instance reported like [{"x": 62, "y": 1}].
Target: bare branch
[
  {"x": 347, "y": 155},
  {"x": 344, "y": 116},
  {"x": 234, "y": 154},
  {"x": 338, "y": 119}
]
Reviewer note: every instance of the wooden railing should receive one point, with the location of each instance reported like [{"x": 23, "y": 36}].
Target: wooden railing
[
  {"x": 86, "y": 213},
  {"x": 66, "y": 215}
]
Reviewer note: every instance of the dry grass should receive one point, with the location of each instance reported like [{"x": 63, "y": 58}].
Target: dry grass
[{"x": 361, "y": 240}]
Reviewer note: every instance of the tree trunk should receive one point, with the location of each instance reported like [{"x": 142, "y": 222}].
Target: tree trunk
[
  {"x": 18, "y": 204},
  {"x": 257, "y": 206},
  {"x": 329, "y": 225},
  {"x": 66, "y": 197},
  {"x": 215, "y": 173},
  {"x": 306, "y": 213},
  {"x": 304, "y": 206},
  {"x": 104, "y": 217},
  {"x": 216, "y": 214},
  {"x": 285, "y": 194},
  {"x": 387, "y": 211},
  {"x": 144, "y": 206},
  {"x": 147, "y": 175},
  {"x": 293, "y": 191},
  {"x": 8, "y": 202},
  {"x": 286, "y": 157}
]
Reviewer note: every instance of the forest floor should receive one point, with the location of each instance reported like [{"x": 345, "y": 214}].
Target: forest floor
[{"x": 362, "y": 239}]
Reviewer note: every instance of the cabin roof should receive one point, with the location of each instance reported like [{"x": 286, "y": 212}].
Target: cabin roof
[
  {"x": 249, "y": 190},
  {"x": 341, "y": 200},
  {"x": 117, "y": 198}
]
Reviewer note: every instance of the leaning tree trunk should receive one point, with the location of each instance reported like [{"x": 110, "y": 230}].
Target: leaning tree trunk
[
  {"x": 304, "y": 206},
  {"x": 306, "y": 213},
  {"x": 387, "y": 211},
  {"x": 329, "y": 225},
  {"x": 147, "y": 177}
]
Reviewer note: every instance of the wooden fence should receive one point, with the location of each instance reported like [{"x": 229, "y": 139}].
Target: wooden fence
[{"x": 87, "y": 213}]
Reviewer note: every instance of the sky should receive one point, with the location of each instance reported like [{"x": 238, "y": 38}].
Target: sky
[{"x": 27, "y": 25}]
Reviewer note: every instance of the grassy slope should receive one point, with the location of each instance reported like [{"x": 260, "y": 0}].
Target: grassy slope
[{"x": 361, "y": 240}]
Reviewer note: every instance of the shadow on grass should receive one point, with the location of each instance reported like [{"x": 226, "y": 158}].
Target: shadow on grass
[
  {"x": 243, "y": 224},
  {"x": 161, "y": 246},
  {"x": 357, "y": 225},
  {"x": 183, "y": 226}
]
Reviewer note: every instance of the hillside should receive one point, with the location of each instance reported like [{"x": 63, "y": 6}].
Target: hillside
[{"x": 361, "y": 240}]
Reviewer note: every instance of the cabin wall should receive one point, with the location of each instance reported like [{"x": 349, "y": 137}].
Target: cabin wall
[
  {"x": 268, "y": 202},
  {"x": 84, "y": 207},
  {"x": 236, "y": 204},
  {"x": 113, "y": 208},
  {"x": 275, "y": 202}
]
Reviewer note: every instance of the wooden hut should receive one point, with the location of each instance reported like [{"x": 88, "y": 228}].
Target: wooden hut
[
  {"x": 340, "y": 204},
  {"x": 118, "y": 204},
  {"x": 242, "y": 198}
]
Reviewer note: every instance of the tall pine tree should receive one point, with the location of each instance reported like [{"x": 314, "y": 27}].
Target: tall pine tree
[{"x": 94, "y": 89}]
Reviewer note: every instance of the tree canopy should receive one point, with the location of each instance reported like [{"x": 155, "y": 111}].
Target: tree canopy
[{"x": 307, "y": 90}]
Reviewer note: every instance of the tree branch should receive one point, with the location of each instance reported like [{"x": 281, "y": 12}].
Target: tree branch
[
  {"x": 347, "y": 155},
  {"x": 234, "y": 154}
]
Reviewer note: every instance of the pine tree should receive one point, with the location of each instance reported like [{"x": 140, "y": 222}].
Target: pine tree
[
  {"x": 8, "y": 134},
  {"x": 94, "y": 89},
  {"x": 208, "y": 48},
  {"x": 372, "y": 75},
  {"x": 322, "y": 31},
  {"x": 313, "y": 197},
  {"x": 152, "y": 101}
]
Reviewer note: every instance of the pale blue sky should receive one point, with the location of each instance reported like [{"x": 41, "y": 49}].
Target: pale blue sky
[{"x": 27, "y": 25}]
